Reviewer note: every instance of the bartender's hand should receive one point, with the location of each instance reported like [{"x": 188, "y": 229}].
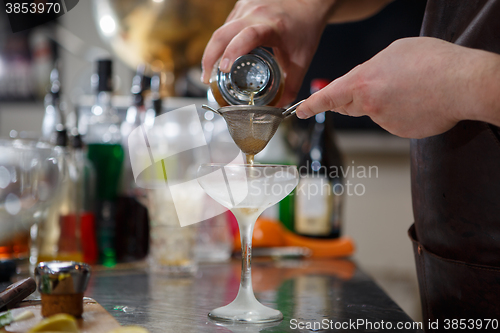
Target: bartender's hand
[
  {"x": 416, "y": 87},
  {"x": 291, "y": 27}
]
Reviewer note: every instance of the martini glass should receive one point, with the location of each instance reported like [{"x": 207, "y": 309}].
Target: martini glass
[{"x": 247, "y": 190}]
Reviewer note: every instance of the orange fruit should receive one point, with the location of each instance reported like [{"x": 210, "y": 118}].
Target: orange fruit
[
  {"x": 321, "y": 248},
  {"x": 266, "y": 233}
]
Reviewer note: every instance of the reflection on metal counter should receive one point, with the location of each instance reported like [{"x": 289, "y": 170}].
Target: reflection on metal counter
[{"x": 163, "y": 304}]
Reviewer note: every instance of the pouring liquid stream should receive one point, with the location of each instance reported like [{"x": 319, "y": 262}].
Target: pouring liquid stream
[{"x": 250, "y": 157}]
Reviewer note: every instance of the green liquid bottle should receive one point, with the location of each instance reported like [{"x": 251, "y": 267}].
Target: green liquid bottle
[
  {"x": 278, "y": 152},
  {"x": 107, "y": 160},
  {"x": 106, "y": 154}
]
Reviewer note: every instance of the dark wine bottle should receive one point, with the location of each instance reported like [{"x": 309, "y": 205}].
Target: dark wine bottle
[
  {"x": 319, "y": 194},
  {"x": 132, "y": 230}
]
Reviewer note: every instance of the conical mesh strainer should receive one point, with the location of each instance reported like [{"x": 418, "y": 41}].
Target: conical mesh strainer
[{"x": 250, "y": 126}]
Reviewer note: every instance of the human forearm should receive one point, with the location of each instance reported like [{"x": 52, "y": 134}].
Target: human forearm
[
  {"x": 416, "y": 88},
  {"x": 355, "y": 10},
  {"x": 483, "y": 103}
]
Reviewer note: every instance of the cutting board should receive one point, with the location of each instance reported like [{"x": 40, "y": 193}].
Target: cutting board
[{"x": 95, "y": 318}]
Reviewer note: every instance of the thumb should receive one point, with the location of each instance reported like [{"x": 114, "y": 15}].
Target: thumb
[{"x": 333, "y": 96}]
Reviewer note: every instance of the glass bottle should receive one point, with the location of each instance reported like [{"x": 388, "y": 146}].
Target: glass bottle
[
  {"x": 59, "y": 235},
  {"x": 156, "y": 107},
  {"x": 132, "y": 231},
  {"x": 278, "y": 151},
  {"x": 85, "y": 192},
  {"x": 320, "y": 192},
  {"x": 106, "y": 154},
  {"x": 53, "y": 114}
]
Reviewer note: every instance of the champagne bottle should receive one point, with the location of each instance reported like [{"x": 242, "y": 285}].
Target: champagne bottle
[{"x": 319, "y": 194}]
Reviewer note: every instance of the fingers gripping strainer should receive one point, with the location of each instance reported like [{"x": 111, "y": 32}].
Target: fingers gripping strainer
[{"x": 250, "y": 126}]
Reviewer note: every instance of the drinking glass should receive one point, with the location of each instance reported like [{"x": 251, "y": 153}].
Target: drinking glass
[
  {"x": 247, "y": 190},
  {"x": 171, "y": 247},
  {"x": 29, "y": 180}
]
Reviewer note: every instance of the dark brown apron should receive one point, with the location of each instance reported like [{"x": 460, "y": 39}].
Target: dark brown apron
[{"x": 456, "y": 188}]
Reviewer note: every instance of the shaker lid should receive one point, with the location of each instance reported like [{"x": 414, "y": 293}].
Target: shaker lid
[{"x": 62, "y": 277}]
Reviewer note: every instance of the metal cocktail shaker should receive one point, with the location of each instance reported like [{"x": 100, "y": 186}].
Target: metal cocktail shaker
[{"x": 254, "y": 77}]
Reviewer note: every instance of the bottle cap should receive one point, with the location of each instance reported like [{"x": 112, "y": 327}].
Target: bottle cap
[
  {"x": 77, "y": 141},
  {"x": 61, "y": 137},
  {"x": 157, "y": 106},
  {"x": 318, "y": 84},
  {"x": 105, "y": 75},
  {"x": 139, "y": 84},
  {"x": 55, "y": 84}
]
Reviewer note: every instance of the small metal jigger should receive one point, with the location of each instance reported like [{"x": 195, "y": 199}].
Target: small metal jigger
[{"x": 61, "y": 285}]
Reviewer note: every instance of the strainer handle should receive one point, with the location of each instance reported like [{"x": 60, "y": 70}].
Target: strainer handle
[
  {"x": 291, "y": 110},
  {"x": 208, "y": 107}
]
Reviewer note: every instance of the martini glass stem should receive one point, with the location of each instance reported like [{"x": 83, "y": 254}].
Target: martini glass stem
[
  {"x": 246, "y": 231},
  {"x": 249, "y": 158}
]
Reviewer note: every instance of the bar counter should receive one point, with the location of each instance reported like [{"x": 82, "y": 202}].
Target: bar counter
[{"x": 332, "y": 293}]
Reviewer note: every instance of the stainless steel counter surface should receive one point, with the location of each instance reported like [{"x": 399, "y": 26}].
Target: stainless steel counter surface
[{"x": 331, "y": 293}]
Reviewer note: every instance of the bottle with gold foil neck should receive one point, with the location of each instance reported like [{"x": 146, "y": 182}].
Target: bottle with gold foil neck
[{"x": 255, "y": 78}]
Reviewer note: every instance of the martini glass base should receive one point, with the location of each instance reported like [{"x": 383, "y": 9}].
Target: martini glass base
[
  {"x": 246, "y": 309},
  {"x": 265, "y": 315}
]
